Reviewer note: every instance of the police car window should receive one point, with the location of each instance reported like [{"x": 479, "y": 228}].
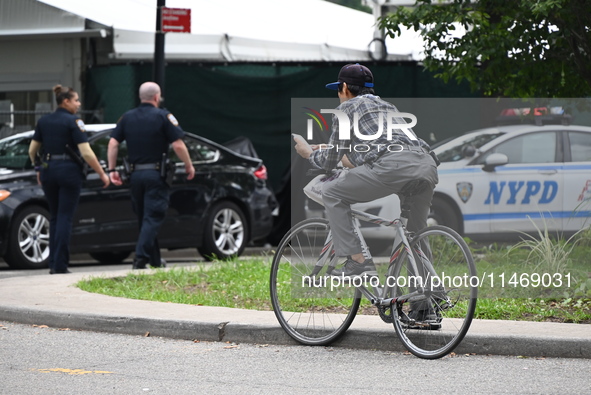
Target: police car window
[
  {"x": 528, "y": 148},
  {"x": 199, "y": 152},
  {"x": 14, "y": 153},
  {"x": 580, "y": 146},
  {"x": 454, "y": 150}
]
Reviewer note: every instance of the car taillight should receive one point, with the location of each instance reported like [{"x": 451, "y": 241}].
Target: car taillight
[
  {"x": 261, "y": 172},
  {"x": 4, "y": 193}
]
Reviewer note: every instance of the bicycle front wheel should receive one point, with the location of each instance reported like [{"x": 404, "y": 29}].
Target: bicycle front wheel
[
  {"x": 311, "y": 306},
  {"x": 433, "y": 321}
]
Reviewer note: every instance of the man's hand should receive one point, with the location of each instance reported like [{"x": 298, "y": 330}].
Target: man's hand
[
  {"x": 190, "y": 170},
  {"x": 346, "y": 162},
  {"x": 115, "y": 178},
  {"x": 302, "y": 147}
]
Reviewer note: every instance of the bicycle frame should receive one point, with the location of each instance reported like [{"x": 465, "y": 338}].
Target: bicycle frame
[{"x": 377, "y": 297}]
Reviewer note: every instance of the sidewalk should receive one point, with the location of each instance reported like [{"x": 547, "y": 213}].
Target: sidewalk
[{"x": 56, "y": 302}]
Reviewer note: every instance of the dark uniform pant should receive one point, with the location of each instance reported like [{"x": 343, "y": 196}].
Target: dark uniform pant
[
  {"x": 61, "y": 182},
  {"x": 149, "y": 196}
]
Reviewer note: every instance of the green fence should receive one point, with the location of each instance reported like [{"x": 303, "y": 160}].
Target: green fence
[{"x": 224, "y": 101}]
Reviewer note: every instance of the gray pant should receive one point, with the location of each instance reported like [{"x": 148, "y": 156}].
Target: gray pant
[{"x": 386, "y": 176}]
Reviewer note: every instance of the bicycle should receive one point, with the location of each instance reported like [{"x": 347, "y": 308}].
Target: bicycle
[{"x": 427, "y": 292}]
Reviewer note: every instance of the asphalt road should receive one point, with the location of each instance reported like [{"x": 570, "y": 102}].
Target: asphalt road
[{"x": 41, "y": 360}]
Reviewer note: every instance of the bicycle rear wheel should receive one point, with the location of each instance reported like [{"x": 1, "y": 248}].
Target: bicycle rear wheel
[
  {"x": 432, "y": 325},
  {"x": 310, "y": 306}
]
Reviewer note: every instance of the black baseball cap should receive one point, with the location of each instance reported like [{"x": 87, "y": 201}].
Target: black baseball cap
[{"x": 353, "y": 74}]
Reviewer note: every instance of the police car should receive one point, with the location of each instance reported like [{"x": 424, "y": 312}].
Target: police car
[{"x": 498, "y": 182}]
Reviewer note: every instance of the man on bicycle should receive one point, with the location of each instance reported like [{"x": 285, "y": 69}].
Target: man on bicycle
[{"x": 375, "y": 172}]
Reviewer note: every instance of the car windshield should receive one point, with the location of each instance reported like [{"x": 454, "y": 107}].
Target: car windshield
[
  {"x": 460, "y": 147},
  {"x": 14, "y": 153}
]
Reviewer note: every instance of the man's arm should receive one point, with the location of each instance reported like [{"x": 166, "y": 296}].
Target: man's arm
[
  {"x": 112, "y": 152},
  {"x": 181, "y": 151}
]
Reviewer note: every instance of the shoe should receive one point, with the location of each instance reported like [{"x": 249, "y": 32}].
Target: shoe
[
  {"x": 139, "y": 263},
  {"x": 162, "y": 264},
  {"x": 427, "y": 319},
  {"x": 355, "y": 269},
  {"x": 51, "y": 271}
]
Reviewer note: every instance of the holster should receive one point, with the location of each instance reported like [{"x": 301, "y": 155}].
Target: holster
[
  {"x": 167, "y": 170},
  {"x": 84, "y": 167},
  {"x": 125, "y": 172}
]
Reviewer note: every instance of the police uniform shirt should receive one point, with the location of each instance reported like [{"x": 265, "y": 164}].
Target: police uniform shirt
[
  {"x": 148, "y": 131},
  {"x": 58, "y": 129}
]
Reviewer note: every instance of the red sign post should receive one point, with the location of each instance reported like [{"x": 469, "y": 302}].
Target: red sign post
[{"x": 177, "y": 20}]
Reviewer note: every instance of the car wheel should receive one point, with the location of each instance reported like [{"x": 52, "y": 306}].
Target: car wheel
[
  {"x": 28, "y": 245},
  {"x": 110, "y": 258},
  {"x": 225, "y": 233},
  {"x": 442, "y": 213}
]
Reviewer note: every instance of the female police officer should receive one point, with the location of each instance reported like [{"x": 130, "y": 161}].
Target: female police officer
[{"x": 59, "y": 175}]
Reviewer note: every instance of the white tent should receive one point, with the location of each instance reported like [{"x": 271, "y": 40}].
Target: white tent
[{"x": 223, "y": 30}]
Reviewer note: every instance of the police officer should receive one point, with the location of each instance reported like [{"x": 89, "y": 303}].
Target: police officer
[
  {"x": 59, "y": 173},
  {"x": 148, "y": 131}
]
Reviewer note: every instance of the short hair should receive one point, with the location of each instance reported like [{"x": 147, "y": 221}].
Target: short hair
[
  {"x": 62, "y": 93},
  {"x": 357, "y": 90},
  {"x": 148, "y": 90}
]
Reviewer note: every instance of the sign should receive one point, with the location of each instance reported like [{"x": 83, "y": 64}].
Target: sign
[{"x": 176, "y": 20}]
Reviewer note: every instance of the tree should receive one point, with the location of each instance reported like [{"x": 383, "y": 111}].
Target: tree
[{"x": 520, "y": 48}]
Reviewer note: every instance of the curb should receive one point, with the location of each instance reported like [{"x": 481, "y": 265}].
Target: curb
[
  {"x": 56, "y": 302},
  {"x": 235, "y": 332}
]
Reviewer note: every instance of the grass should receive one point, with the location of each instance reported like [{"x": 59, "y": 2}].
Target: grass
[
  {"x": 244, "y": 283},
  {"x": 238, "y": 284}
]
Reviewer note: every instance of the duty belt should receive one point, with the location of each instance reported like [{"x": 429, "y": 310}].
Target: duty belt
[
  {"x": 57, "y": 157},
  {"x": 145, "y": 166}
]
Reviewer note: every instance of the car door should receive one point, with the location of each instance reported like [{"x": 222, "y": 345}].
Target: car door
[
  {"x": 190, "y": 199},
  {"x": 526, "y": 194},
  {"x": 577, "y": 180},
  {"x": 105, "y": 215},
  {"x": 467, "y": 186}
]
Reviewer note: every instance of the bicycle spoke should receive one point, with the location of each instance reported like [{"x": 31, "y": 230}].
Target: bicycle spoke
[
  {"x": 433, "y": 326},
  {"x": 310, "y": 313}
]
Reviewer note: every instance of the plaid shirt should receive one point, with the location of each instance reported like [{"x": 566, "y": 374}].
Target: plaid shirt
[{"x": 359, "y": 152}]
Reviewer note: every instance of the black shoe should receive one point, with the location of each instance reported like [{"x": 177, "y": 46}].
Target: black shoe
[
  {"x": 356, "y": 269},
  {"x": 51, "y": 271},
  {"x": 427, "y": 319},
  {"x": 139, "y": 263},
  {"x": 162, "y": 264}
]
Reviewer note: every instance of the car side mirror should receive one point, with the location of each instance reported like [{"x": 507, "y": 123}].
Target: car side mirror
[{"x": 494, "y": 160}]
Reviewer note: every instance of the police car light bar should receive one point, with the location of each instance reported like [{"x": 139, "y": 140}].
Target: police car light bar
[{"x": 534, "y": 115}]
